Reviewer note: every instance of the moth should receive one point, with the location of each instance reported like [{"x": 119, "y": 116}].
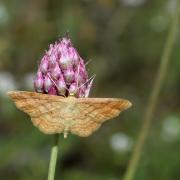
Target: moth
[{"x": 56, "y": 114}]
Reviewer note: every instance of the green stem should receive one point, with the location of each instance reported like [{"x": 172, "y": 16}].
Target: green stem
[
  {"x": 133, "y": 163},
  {"x": 53, "y": 158}
]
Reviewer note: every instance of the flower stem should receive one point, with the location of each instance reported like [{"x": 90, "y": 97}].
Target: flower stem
[
  {"x": 53, "y": 158},
  {"x": 133, "y": 163}
]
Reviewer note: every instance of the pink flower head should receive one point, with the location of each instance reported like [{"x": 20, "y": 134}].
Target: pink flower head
[{"x": 62, "y": 71}]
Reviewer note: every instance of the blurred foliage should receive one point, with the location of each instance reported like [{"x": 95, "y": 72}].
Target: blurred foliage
[{"x": 124, "y": 39}]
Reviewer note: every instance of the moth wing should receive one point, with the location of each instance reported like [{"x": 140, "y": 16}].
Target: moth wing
[
  {"x": 95, "y": 111},
  {"x": 43, "y": 109}
]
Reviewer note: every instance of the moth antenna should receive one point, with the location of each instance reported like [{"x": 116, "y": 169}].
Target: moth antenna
[
  {"x": 89, "y": 87},
  {"x": 88, "y": 62},
  {"x": 91, "y": 78},
  {"x": 52, "y": 80}
]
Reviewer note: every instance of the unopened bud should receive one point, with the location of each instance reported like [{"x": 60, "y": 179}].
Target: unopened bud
[
  {"x": 44, "y": 65},
  {"x": 51, "y": 48},
  {"x": 55, "y": 72},
  {"x": 74, "y": 56},
  {"x": 52, "y": 90},
  {"x": 73, "y": 89},
  {"x": 47, "y": 83},
  {"x": 65, "y": 62},
  {"x": 61, "y": 86},
  {"x": 81, "y": 91},
  {"x": 52, "y": 61},
  {"x": 69, "y": 76},
  {"x": 38, "y": 82},
  {"x": 66, "y": 42}
]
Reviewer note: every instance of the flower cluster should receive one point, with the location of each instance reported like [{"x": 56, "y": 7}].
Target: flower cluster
[{"x": 62, "y": 71}]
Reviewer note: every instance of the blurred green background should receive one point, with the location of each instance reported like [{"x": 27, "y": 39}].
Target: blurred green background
[{"x": 124, "y": 39}]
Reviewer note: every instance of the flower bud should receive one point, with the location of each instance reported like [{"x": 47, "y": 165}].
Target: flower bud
[
  {"x": 81, "y": 91},
  {"x": 66, "y": 59},
  {"x": 73, "y": 89},
  {"x": 52, "y": 60},
  {"x": 62, "y": 71},
  {"x": 51, "y": 49},
  {"x": 79, "y": 79},
  {"x": 52, "y": 90},
  {"x": 47, "y": 83},
  {"x": 66, "y": 42},
  {"x": 38, "y": 82},
  {"x": 65, "y": 62},
  {"x": 69, "y": 76},
  {"x": 81, "y": 75},
  {"x": 61, "y": 86},
  {"x": 74, "y": 56},
  {"x": 55, "y": 72},
  {"x": 44, "y": 64}
]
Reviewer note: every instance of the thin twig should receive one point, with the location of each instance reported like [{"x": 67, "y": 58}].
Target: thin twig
[
  {"x": 133, "y": 163},
  {"x": 53, "y": 158}
]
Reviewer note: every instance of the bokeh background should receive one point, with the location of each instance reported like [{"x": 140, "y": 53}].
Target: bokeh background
[{"x": 124, "y": 40}]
